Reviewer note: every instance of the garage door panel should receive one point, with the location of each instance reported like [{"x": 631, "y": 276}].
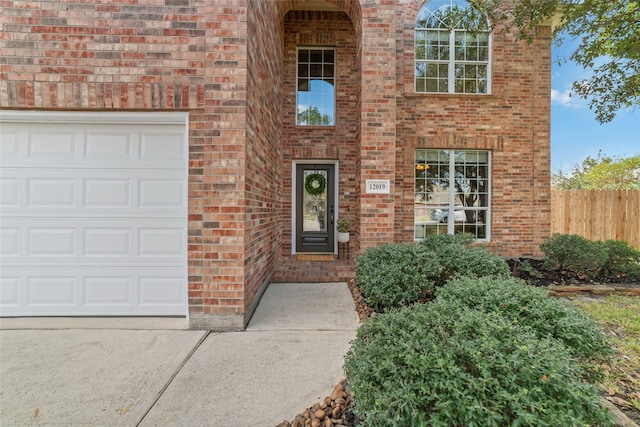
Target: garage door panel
[
  {"x": 10, "y": 291},
  {"x": 94, "y": 219},
  {"x": 51, "y": 291},
  {"x": 161, "y": 193},
  {"x": 10, "y": 142},
  {"x": 155, "y": 145},
  {"x": 51, "y": 192},
  {"x": 50, "y": 144},
  {"x": 51, "y": 242},
  {"x": 94, "y": 292},
  {"x": 10, "y": 242},
  {"x": 107, "y": 144},
  {"x": 9, "y": 192},
  {"x": 81, "y": 241},
  {"x": 162, "y": 242},
  {"x": 107, "y": 192},
  {"x": 155, "y": 291},
  {"x": 111, "y": 147},
  {"x": 107, "y": 242},
  {"x": 107, "y": 291},
  {"x": 87, "y": 192}
]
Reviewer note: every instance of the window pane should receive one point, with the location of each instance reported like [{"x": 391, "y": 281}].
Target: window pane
[
  {"x": 436, "y": 182},
  {"x": 329, "y": 55},
  {"x": 315, "y": 70},
  {"x": 436, "y": 23},
  {"x": 316, "y": 94},
  {"x": 315, "y": 56}
]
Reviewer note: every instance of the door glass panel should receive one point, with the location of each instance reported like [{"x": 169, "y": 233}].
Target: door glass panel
[{"x": 314, "y": 207}]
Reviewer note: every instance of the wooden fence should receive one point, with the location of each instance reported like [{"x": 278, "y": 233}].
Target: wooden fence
[{"x": 597, "y": 214}]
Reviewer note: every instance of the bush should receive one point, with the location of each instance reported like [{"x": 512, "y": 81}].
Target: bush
[
  {"x": 532, "y": 308},
  {"x": 458, "y": 260},
  {"x": 621, "y": 259},
  {"x": 394, "y": 275},
  {"x": 390, "y": 276},
  {"x": 434, "y": 241},
  {"x": 444, "y": 364},
  {"x": 574, "y": 253}
]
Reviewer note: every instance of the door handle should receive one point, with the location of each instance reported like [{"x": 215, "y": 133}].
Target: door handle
[{"x": 331, "y": 214}]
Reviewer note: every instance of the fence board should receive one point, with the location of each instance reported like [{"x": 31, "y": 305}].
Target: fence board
[{"x": 597, "y": 214}]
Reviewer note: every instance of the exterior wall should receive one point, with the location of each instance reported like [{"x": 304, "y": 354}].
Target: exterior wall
[
  {"x": 150, "y": 55},
  {"x": 231, "y": 65},
  {"x": 378, "y": 117},
  {"x": 264, "y": 173},
  {"x": 513, "y": 122},
  {"x": 339, "y": 142}
]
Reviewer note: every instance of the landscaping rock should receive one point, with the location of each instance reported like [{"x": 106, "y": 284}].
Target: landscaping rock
[{"x": 330, "y": 412}]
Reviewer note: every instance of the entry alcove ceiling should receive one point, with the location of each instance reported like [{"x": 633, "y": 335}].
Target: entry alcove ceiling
[{"x": 315, "y": 5}]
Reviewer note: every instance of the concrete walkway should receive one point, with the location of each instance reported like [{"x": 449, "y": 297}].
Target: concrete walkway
[{"x": 74, "y": 372}]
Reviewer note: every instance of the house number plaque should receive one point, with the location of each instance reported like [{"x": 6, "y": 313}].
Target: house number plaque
[{"x": 378, "y": 186}]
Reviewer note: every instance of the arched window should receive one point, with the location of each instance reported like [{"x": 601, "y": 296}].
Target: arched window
[{"x": 453, "y": 46}]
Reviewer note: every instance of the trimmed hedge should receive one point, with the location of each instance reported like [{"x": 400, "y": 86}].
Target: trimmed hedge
[
  {"x": 533, "y": 309},
  {"x": 395, "y": 275},
  {"x": 479, "y": 355},
  {"x": 574, "y": 253}
]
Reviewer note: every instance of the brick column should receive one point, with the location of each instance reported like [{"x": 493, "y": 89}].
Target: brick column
[
  {"x": 378, "y": 120},
  {"x": 221, "y": 192}
]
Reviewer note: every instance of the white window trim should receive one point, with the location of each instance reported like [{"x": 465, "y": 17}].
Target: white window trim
[
  {"x": 335, "y": 83},
  {"x": 451, "y": 63},
  {"x": 451, "y": 206}
]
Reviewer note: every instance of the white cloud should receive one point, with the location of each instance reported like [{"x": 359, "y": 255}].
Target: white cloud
[{"x": 565, "y": 98}]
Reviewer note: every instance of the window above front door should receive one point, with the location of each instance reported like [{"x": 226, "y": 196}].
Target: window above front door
[{"x": 316, "y": 98}]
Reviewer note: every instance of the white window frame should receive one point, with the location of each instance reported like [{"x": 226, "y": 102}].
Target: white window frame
[
  {"x": 335, "y": 78},
  {"x": 451, "y": 193},
  {"x": 452, "y": 62}
]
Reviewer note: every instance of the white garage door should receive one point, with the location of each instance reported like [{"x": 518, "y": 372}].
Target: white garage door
[{"x": 93, "y": 214}]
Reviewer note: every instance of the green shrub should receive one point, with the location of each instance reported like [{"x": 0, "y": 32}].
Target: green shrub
[
  {"x": 621, "y": 259},
  {"x": 459, "y": 260},
  {"x": 531, "y": 308},
  {"x": 574, "y": 253},
  {"x": 443, "y": 364},
  {"x": 434, "y": 241},
  {"x": 393, "y": 275}
]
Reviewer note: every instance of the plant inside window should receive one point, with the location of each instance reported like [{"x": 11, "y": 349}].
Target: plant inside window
[
  {"x": 452, "y": 47},
  {"x": 316, "y": 87}
]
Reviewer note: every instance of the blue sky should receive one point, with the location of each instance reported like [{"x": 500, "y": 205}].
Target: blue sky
[{"x": 575, "y": 133}]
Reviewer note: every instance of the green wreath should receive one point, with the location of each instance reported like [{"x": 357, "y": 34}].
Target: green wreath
[{"x": 315, "y": 184}]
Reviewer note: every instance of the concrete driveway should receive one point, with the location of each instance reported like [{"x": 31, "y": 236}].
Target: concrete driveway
[{"x": 149, "y": 372}]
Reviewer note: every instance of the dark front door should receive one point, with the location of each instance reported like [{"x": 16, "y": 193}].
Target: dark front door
[{"x": 315, "y": 208}]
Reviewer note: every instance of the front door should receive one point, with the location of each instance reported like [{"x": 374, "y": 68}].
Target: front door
[{"x": 315, "y": 209}]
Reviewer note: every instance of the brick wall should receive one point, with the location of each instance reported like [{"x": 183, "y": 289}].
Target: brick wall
[
  {"x": 231, "y": 65},
  {"x": 263, "y": 179},
  {"x": 513, "y": 122},
  {"x": 152, "y": 55},
  {"x": 339, "y": 142},
  {"x": 378, "y": 120}
]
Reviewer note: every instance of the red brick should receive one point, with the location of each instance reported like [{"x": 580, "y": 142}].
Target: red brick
[{"x": 231, "y": 65}]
